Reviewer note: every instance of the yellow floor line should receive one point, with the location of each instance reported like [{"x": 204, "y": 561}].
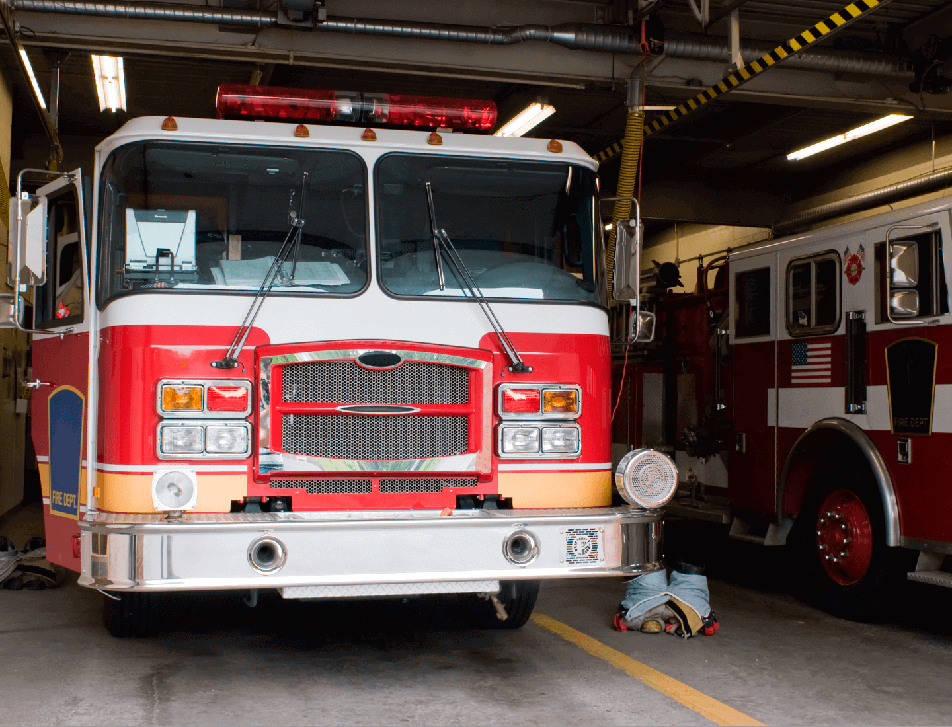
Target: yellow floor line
[{"x": 688, "y": 696}]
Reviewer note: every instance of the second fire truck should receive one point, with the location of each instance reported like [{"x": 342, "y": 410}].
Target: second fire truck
[{"x": 804, "y": 390}]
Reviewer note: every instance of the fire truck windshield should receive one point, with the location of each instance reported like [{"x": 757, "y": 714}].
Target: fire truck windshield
[
  {"x": 523, "y": 229},
  {"x": 212, "y": 217}
]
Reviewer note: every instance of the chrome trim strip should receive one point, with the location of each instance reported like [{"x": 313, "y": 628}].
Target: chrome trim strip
[
  {"x": 372, "y": 409},
  {"x": 556, "y": 466},
  {"x": 355, "y": 353},
  {"x": 347, "y": 548},
  {"x": 873, "y": 457},
  {"x": 936, "y": 546},
  {"x": 270, "y": 462}
]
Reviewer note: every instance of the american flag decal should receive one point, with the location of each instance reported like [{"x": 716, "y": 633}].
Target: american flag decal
[{"x": 810, "y": 364}]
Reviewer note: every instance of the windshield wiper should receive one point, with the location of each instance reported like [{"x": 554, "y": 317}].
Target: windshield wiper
[
  {"x": 436, "y": 236},
  {"x": 443, "y": 244},
  {"x": 291, "y": 242}
]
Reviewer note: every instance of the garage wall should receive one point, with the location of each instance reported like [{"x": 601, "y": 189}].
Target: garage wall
[
  {"x": 685, "y": 241},
  {"x": 13, "y": 344}
]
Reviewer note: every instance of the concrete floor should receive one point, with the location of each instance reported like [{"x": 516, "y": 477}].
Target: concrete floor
[{"x": 217, "y": 661}]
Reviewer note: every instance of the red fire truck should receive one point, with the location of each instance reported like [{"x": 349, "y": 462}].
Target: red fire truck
[
  {"x": 327, "y": 359},
  {"x": 802, "y": 391}
]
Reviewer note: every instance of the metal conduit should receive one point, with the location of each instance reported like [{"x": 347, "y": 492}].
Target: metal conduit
[
  {"x": 868, "y": 200},
  {"x": 581, "y": 36}
]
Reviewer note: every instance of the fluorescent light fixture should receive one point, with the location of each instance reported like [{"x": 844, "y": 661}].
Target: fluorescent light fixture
[
  {"x": 658, "y": 108},
  {"x": 528, "y": 118},
  {"x": 870, "y": 128},
  {"x": 110, "y": 82},
  {"x": 29, "y": 70}
]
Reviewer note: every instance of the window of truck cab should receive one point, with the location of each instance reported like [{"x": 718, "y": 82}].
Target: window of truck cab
[
  {"x": 813, "y": 294},
  {"x": 59, "y": 302},
  {"x": 524, "y": 230},
  {"x": 211, "y": 218}
]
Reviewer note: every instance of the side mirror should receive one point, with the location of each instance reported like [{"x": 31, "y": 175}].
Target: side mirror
[
  {"x": 626, "y": 275},
  {"x": 7, "y": 309},
  {"x": 904, "y": 264},
  {"x": 27, "y": 243},
  {"x": 641, "y": 328}
]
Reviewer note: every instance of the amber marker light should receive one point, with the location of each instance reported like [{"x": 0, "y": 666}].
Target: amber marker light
[
  {"x": 561, "y": 401},
  {"x": 181, "y": 398}
]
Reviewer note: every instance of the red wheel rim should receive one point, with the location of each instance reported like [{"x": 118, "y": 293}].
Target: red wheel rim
[{"x": 844, "y": 537}]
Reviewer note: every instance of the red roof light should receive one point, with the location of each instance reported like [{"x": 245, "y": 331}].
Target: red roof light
[{"x": 306, "y": 104}]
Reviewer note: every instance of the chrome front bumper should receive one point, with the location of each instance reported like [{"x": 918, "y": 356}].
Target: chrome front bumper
[{"x": 352, "y": 550}]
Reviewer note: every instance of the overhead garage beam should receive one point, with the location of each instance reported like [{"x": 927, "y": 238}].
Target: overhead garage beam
[{"x": 9, "y": 27}]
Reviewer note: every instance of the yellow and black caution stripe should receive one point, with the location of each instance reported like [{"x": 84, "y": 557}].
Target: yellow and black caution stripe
[{"x": 809, "y": 37}]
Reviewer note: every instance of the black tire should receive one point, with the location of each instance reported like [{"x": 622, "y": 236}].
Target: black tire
[
  {"x": 518, "y": 598},
  {"x": 130, "y": 615},
  {"x": 840, "y": 545}
]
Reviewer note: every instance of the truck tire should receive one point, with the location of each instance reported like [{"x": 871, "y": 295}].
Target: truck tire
[
  {"x": 848, "y": 570},
  {"x": 518, "y": 598},
  {"x": 133, "y": 615}
]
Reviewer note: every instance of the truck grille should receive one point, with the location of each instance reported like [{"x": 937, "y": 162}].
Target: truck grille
[
  {"x": 324, "y": 487},
  {"x": 345, "y": 382},
  {"x": 374, "y": 437},
  {"x": 428, "y": 485}
]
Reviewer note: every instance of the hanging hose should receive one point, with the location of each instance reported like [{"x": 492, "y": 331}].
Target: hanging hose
[{"x": 627, "y": 176}]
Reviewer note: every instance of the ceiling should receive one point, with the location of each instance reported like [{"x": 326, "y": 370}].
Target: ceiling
[{"x": 737, "y": 143}]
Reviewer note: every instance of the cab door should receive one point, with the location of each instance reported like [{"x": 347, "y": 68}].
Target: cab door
[
  {"x": 911, "y": 369},
  {"x": 60, "y": 365}
]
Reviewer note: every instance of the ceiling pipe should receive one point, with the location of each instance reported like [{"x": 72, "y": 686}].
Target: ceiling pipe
[
  {"x": 581, "y": 36},
  {"x": 865, "y": 201}
]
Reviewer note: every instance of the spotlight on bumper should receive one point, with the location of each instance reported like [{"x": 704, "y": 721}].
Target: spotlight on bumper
[{"x": 646, "y": 478}]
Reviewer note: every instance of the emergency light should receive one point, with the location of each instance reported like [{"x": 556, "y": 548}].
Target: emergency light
[{"x": 326, "y": 105}]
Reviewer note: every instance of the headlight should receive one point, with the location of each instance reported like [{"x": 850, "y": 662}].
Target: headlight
[
  {"x": 226, "y": 439},
  {"x": 174, "y": 490},
  {"x": 646, "y": 478},
  {"x": 212, "y": 440},
  {"x": 520, "y": 440},
  {"x": 560, "y": 439},
  {"x": 182, "y": 440}
]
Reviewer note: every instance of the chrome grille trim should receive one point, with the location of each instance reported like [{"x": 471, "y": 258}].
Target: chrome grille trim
[
  {"x": 324, "y": 487},
  {"x": 374, "y": 437},
  {"x": 271, "y": 459},
  {"x": 346, "y": 382},
  {"x": 427, "y": 485}
]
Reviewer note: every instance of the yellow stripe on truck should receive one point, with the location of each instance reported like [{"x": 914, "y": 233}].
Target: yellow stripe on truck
[
  {"x": 133, "y": 493},
  {"x": 557, "y": 489}
]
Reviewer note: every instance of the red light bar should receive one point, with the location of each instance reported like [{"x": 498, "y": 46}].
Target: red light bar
[{"x": 325, "y": 105}]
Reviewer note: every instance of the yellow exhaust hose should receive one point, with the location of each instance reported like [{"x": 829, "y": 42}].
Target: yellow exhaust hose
[{"x": 627, "y": 177}]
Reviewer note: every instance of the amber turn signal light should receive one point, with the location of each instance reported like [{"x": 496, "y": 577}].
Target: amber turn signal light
[
  {"x": 562, "y": 401},
  {"x": 181, "y": 398}
]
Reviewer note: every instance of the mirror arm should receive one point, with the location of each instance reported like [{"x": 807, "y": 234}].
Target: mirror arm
[
  {"x": 17, "y": 261},
  {"x": 889, "y": 275}
]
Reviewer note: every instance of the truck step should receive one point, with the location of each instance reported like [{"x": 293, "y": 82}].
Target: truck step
[
  {"x": 749, "y": 538},
  {"x": 932, "y": 577}
]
